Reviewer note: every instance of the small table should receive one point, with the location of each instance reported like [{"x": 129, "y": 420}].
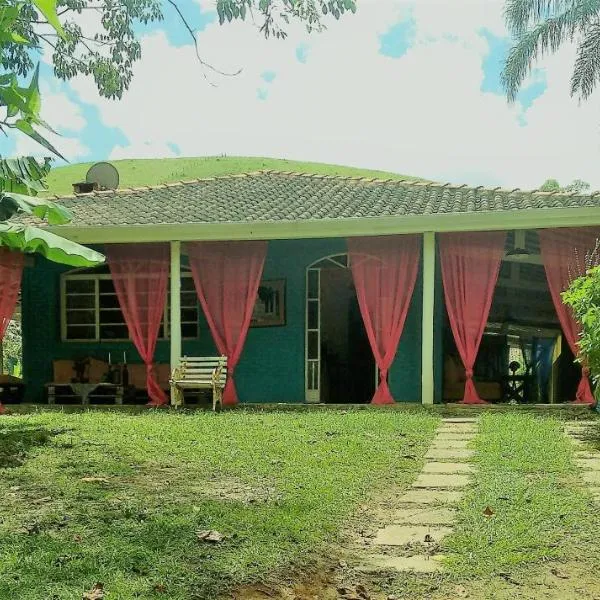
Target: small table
[
  {"x": 84, "y": 390},
  {"x": 516, "y": 388}
]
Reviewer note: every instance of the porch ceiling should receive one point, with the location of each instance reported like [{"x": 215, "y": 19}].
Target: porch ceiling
[{"x": 283, "y": 202}]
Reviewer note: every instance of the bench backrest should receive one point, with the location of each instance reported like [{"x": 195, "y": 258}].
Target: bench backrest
[{"x": 202, "y": 368}]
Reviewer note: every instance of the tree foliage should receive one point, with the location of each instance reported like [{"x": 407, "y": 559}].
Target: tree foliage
[
  {"x": 99, "y": 38},
  {"x": 541, "y": 27},
  {"x": 577, "y": 186},
  {"x": 583, "y": 296}
]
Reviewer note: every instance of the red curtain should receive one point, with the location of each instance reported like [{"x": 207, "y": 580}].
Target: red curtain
[
  {"x": 227, "y": 276},
  {"x": 140, "y": 274},
  {"x": 564, "y": 255},
  {"x": 470, "y": 265},
  {"x": 384, "y": 270},
  {"x": 11, "y": 270}
]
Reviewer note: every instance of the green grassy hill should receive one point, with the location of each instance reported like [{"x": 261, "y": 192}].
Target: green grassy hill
[{"x": 152, "y": 171}]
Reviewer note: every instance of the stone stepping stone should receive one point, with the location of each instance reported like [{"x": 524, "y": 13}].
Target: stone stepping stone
[
  {"x": 424, "y": 516},
  {"x": 403, "y": 564},
  {"x": 459, "y": 420},
  {"x": 403, "y": 535},
  {"x": 448, "y": 467},
  {"x": 452, "y": 435},
  {"x": 592, "y": 477},
  {"x": 586, "y": 455},
  {"x": 449, "y": 453},
  {"x": 428, "y": 497},
  {"x": 470, "y": 429},
  {"x": 590, "y": 464},
  {"x": 437, "y": 444},
  {"x": 441, "y": 480}
]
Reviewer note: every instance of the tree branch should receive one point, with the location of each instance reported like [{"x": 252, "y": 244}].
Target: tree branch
[{"x": 193, "y": 36}]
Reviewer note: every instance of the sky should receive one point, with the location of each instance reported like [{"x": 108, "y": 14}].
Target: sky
[{"x": 406, "y": 86}]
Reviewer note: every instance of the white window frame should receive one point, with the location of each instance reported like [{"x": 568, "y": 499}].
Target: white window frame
[{"x": 86, "y": 274}]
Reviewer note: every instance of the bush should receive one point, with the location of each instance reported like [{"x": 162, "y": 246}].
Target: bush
[{"x": 583, "y": 296}]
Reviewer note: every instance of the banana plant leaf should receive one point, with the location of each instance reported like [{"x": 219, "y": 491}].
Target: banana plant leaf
[
  {"x": 12, "y": 203},
  {"x": 30, "y": 239}
]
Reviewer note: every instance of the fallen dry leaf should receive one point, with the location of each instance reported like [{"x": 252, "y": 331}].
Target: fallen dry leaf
[
  {"x": 558, "y": 573},
  {"x": 96, "y": 593},
  {"x": 161, "y": 588},
  {"x": 210, "y": 535},
  {"x": 41, "y": 500},
  {"x": 488, "y": 512},
  {"x": 94, "y": 479},
  {"x": 428, "y": 539},
  {"x": 461, "y": 592}
]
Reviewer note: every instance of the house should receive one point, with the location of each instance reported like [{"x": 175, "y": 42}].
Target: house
[{"x": 473, "y": 278}]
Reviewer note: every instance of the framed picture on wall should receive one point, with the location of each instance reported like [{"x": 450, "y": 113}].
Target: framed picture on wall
[{"x": 269, "y": 309}]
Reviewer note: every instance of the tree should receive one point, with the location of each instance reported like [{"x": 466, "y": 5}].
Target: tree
[
  {"x": 541, "y": 27},
  {"x": 583, "y": 296},
  {"x": 104, "y": 45},
  {"x": 577, "y": 186}
]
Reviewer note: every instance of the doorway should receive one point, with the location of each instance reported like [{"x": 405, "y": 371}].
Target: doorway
[{"x": 340, "y": 367}]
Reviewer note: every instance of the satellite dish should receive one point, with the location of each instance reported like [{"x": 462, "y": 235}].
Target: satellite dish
[{"x": 104, "y": 175}]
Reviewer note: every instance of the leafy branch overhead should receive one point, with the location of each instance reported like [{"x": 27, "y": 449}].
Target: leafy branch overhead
[
  {"x": 99, "y": 38},
  {"x": 276, "y": 14},
  {"x": 541, "y": 27}
]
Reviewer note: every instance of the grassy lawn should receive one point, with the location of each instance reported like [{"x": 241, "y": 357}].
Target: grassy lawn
[
  {"x": 542, "y": 514},
  {"x": 118, "y": 499},
  {"x": 138, "y": 172}
]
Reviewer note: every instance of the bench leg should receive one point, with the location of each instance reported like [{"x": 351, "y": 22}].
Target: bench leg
[
  {"x": 217, "y": 398},
  {"x": 51, "y": 394},
  {"x": 177, "y": 396}
]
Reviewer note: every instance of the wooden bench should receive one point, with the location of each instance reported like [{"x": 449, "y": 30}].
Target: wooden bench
[{"x": 198, "y": 373}]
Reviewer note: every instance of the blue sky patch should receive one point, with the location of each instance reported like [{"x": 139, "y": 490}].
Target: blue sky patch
[
  {"x": 492, "y": 68},
  {"x": 302, "y": 53},
  {"x": 397, "y": 40},
  {"x": 172, "y": 25},
  {"x": 174, "y": 147},
  {"x": 268, "y": 76}
]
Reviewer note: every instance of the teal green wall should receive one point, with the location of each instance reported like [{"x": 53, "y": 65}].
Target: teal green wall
[{"x": 272, "y": 365}]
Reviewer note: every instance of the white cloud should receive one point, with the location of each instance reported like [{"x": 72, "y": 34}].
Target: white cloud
[{"x": 421, "y": 114}]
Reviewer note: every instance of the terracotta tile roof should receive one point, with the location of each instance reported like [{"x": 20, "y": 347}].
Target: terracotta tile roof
[{"x": 274, "y": 196}]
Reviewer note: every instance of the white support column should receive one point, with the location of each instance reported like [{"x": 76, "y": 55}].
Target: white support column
[
  {"x": 175, "y": 322},
  {"x": 427, "y": 356}
]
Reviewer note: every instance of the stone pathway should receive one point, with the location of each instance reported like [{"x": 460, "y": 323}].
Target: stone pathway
[
  {"x": 586, "y": 458},
  {"x": 426, "y": 512}
]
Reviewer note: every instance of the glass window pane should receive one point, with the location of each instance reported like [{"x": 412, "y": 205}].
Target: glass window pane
[
  {"x": 81, "y": 332},
  {"x": 313, "y": 283},
  {"x": 189, "y": 330},
  {"x": 106, "y": 286},
  {"x": 189, "y": 299},
  {"x": 79, "y": 286},
  {"x": 313, "y": 314},
  {"x": 312, "y": 375},
  {"x": 114, "y": 332},
  {"x": 187, "y": 284},
  {"x": 111, "y": 316},
  {"x": 313, "y": 344},
  {"x": 83, "y": 301},
  {"x": 108, "y": 301},
  {"x": 189, "y": 315},
  {"x": 81, "y": 317}
]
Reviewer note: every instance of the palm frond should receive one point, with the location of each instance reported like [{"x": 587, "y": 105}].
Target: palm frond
[
  {"x": 520, "y": 15},
  {"x": 586, "y": 73},
  {"x": 547, "y": 36}
]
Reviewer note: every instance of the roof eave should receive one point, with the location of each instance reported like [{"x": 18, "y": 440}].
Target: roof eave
[{"x": 351, "y": 227}]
